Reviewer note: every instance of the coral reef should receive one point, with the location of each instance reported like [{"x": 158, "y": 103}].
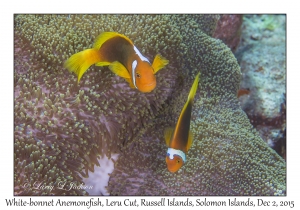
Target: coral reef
[
  {"x": 262, "y": 57},
  {"x": 61, "y": 128}
]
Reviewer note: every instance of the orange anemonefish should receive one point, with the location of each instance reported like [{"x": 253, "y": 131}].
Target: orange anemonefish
[
  {"x": 121, "y": 56},
  {"x": 179, "y": 140}
]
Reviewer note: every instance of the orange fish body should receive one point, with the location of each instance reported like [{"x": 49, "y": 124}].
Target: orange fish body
[
  {"x": 121, "y": 56},
  {"x": 179, "y": 140}
]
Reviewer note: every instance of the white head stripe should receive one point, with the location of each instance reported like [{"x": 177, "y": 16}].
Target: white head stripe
[
  {"x": 133, "y": 68},
  {"x": 171, "y": 152},
  {"x": 140, "y": 54}
]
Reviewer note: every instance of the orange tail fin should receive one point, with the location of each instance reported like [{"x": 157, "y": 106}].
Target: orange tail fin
[{"x": 80, "y": 62}]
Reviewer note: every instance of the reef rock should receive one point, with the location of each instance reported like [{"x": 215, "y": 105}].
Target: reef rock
[
  {"x": 229, "y": 30},
  {"x": 262, "y": 57}
]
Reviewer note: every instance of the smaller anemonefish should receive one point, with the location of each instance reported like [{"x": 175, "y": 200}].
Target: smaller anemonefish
[
  {"x": 179, "y": 140},
  {"x": 122, "y": 57}
]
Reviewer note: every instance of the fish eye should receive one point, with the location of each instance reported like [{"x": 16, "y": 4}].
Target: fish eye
[
  {"x": 138, "y": 75},
  {"x": 178, "y": 161}
]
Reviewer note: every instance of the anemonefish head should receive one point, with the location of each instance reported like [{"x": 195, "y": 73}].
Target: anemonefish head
[
  {"x": 174, "y": 159},
  {"x": 143, "y": 77},
  {"x": 174, "y": 164}
]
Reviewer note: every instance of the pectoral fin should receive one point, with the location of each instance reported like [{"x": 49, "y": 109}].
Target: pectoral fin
[
  {"x": 158, "y": 63},
  {"x": 119, "y": 69},
  {"x": 168, "y": 135}
]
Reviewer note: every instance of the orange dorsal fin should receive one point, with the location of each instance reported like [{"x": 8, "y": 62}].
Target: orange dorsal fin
[
  {"x": 168, "y": 135},
  {"x": 158, "y": 63},
  {"x": 103, "y": 37},
  {"x": 80, "y": 62},
  {"x": 190, "y": 141},
  {"x": 119, "y": 69}
]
